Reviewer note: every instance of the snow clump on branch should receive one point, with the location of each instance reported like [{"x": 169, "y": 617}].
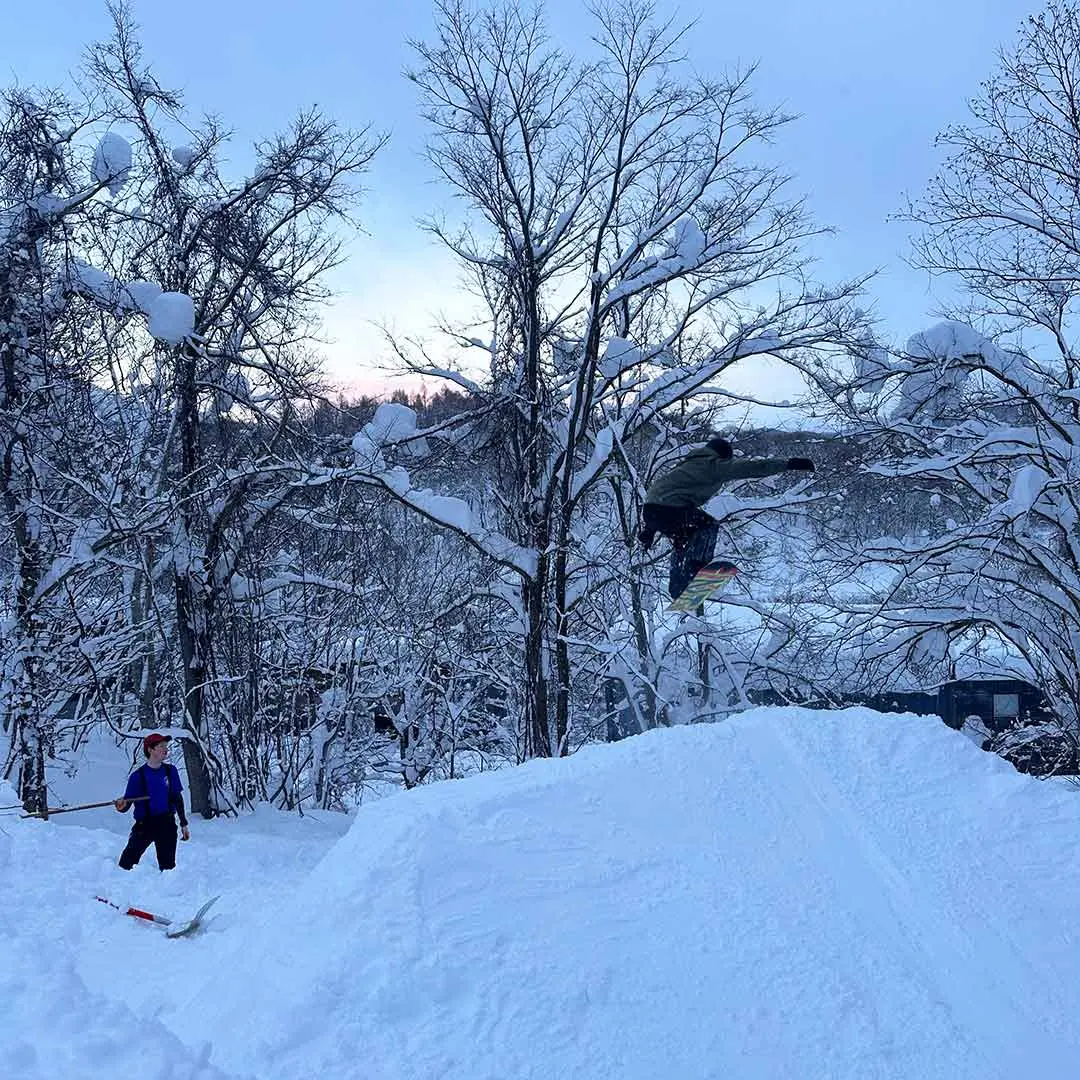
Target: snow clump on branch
[
  {"x": 172, "y": 317},
  {"x": 112, "y": 162}
]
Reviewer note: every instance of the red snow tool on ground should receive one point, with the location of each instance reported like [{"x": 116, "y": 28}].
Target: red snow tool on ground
[{"x": 174, "y": 929}]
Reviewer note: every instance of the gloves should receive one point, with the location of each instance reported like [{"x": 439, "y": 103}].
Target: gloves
[{"x": 800, "y": 464}]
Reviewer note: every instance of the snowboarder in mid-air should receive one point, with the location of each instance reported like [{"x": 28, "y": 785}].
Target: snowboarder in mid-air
[{"x": 674, "y": 499}]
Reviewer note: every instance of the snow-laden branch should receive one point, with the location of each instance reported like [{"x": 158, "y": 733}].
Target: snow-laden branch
[{"x": 395, "y": 425}]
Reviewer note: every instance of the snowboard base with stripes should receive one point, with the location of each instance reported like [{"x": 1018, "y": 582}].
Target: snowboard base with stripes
[{"x": 704, "y": 585}]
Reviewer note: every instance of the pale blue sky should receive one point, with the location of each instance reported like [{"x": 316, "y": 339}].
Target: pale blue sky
[{"x": 872, "y": 80}]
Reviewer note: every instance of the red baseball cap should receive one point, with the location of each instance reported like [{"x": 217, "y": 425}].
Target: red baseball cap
[{"x": 151, "y": 741}]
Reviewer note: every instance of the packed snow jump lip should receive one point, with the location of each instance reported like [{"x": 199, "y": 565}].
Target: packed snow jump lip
[{"x": 789, "y": 893}]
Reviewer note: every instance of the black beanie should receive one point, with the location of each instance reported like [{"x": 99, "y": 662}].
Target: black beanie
[{"x": 720, "y": 447}]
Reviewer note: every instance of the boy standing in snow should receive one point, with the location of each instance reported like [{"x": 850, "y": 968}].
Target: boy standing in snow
[
  {"x": 674, "y": 499},
  {"x": 155, "y": 818}
]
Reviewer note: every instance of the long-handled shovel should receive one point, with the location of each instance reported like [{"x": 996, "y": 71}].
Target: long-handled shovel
[
  {"x": 85, "y": 806},
  {"x": 174, "y": 929}
]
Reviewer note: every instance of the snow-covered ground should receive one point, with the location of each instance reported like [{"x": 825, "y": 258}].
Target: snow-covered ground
[{"x": 787, "y": 894}]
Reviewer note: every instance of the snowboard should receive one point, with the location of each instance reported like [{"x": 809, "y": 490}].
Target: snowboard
[{"x": 704, "y": 585}]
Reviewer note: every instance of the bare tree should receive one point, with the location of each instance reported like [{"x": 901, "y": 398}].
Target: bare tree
[
  {"x": 629, "y": 253},
  {"x": 981, "y": 413},
  {"x": 47, "y": 415},
  {"x": 252, "y": 256}
]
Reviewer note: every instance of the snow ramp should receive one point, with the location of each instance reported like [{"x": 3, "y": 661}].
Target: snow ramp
[{"x": 786, "y": 894}]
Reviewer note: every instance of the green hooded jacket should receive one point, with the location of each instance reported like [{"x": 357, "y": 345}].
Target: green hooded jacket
[{"x": 698, "y": 477}]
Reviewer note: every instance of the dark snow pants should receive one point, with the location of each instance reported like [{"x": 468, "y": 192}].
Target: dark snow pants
[
  {"x": 693, "y": 535},
  {"x": 157, "y": 829}
]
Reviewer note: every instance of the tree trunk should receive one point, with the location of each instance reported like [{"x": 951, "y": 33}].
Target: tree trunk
[
  {"x": 562, "y": 656},
  {"x": 143, "y": 674},
  {"x": 192, "y": 618},
  {"x": 537, "y": 732},
  {"x": 22, "y": 331},
  {"x": 704, "y": 672},
  {"x": 647, "y": 711},
  {"x": 192, "y": 651},
  {"x": 32, "y": 787}
]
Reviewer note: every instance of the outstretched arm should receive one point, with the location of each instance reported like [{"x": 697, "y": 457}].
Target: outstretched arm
[{"x": 755, "y": 468}]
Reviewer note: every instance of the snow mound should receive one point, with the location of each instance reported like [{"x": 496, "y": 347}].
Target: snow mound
[
  {"x": 950, "y": 340},
  {"x": 619, "y": 355},
  {"x": 787, "y": 894},
  {"x": 143, "y": 294},
  {"x": 172, "y": 317},
  {"x": 80, "y": 1001},
  {"x": 8, "y": 795},
  {"x": 113, "y": 1040},
  {"x": 392, "y": 421},
  {"x": 90, "y": 281},
  {"x": 112, "y": 162}
]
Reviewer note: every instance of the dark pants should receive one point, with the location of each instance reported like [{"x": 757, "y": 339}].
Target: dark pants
[
  {"x": 693, "y": 535},
  {"x": 157, "y": 829}
]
